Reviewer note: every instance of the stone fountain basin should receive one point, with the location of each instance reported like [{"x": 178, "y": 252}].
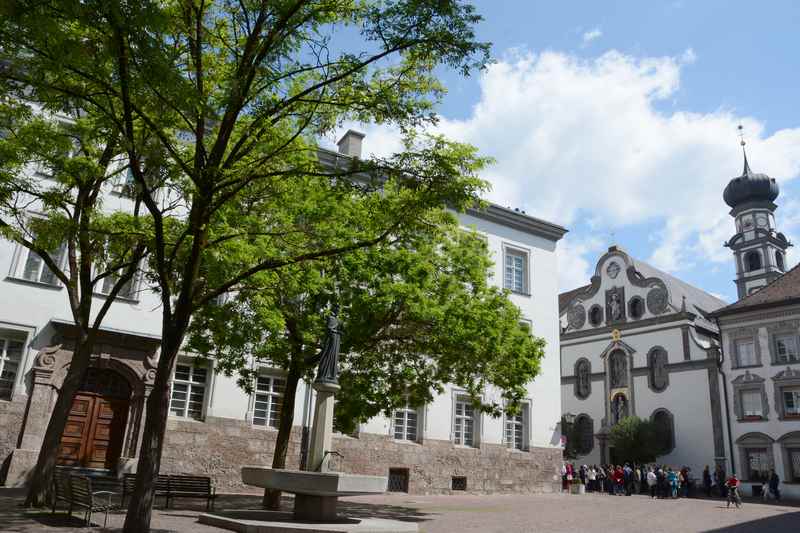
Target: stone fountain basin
[{"x": 323, "y": 484}]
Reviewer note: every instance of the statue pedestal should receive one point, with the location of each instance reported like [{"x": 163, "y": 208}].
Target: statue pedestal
[{"x": 322, "y": 428}]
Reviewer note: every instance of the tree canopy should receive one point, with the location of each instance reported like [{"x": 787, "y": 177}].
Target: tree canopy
[{"x": 637, "y": 440}]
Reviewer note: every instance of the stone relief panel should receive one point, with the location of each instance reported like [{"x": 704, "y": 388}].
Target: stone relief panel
[
  {"x": 618, "y": 367},
  {"x": 583, "y": 378},
  {"x": 657, "y": 300},
  {"x": 658, "y": 376},
  {"x": 576, "y": 316},
  {"x": 613, "y": 269}
]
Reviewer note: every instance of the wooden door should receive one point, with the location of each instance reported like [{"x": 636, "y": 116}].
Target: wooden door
[{"x": 94, "y": 431}]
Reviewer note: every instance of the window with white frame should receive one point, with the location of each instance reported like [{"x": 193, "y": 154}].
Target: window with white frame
[
  {"x": 791, "y": 402},
  {"x": 35, "y": 269},
  {"x": 108, "y": 282},
  {"x": 188, "y": 391},
  {"x": 267, "y": 401},
  {"x": 786, "y": 349},
  {"x": 464, "y": 422},
  {"x": 10, "y": 359},
  {"x": 405, "y": 423},
  {"x": 746, "y": 352},
  {"x": 516, "y": 270},
  {"x": 516, "y": 429},
  {"x": 751, "y": 403},
  {"x": 125, "y": 184}
]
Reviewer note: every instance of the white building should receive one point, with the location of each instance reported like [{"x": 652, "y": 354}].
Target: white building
[
  {"x": 215, "y": 427},
  {"x": 761, "y": 340},
  {"x": 636, "y": 341}
]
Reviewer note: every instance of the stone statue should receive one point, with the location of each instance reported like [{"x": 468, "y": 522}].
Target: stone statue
[
  {"x": 616, "y": 307},
  {"x": 619, "y": 408},
  {"x": 619, "y": 372},
  {"x": 328, "y": 370}
]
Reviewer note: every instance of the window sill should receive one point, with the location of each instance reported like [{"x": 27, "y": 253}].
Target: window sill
[
  {"x": 123, "y": 299},
  {"x": 187, "y": 419},
  {"x": 465, "y": 447},
  {"x": 519, "y": 293},
  {"x": 42, "y": 285},
  {"x": 745, "y": 366},
  {"x": 753, "y": 419},
  {"x": 784, "y": 363},
  {"x": 407, "y": 442}
]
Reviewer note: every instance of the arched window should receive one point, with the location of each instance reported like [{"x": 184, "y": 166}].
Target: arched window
[
  {"x": 665, "y": 430},
  {"x": 584, "y": 434},
  {"x": 636, "y": 307},
  {"x": 657, "y": 374},
  {"x": 583, "y": 378},
  {"x": 596, "y": 315},
  {"x": 752, "y": 261},
  {"x": 618, "y": 369},
  {"x": 779, "y": 260}
]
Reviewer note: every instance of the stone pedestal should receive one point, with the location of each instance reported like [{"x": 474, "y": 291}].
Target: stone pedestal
[
  {"x": 315, "y": 508},
  {"x": 321, "y": 435}
]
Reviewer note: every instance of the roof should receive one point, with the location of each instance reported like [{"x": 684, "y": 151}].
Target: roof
[
  {"x": 784, "y": 290},
  {"x": 565, "y": 297},
  {"x": 514, "y": 218}
]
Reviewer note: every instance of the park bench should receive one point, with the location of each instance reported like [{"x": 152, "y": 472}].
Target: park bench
[
  {"x": 77, "y": 491},
  {"x": 172, "y": 486}
]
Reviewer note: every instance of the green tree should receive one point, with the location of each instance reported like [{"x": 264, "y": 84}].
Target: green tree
[
  {"x": 54, "y": 174},
  {"x": 636, "y": 440},
  {"x": 417, "y": 313},
  {"x": 226, "y": 99}
]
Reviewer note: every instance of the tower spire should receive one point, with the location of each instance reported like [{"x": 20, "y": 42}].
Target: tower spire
[{"x": 746, "y": 171}]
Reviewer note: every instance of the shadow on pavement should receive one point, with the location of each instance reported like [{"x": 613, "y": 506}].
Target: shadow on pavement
[{"x": 789, "y": 522}]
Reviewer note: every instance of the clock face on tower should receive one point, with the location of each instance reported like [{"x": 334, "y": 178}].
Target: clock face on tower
[{"x": 761, "y": 221}]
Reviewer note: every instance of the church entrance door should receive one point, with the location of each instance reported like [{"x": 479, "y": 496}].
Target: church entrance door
[{"x": 95, "y": 426}]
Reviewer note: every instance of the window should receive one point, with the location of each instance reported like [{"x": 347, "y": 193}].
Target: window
[
  {"x": 664, "y": 424},
  {"x": 596, "y": 315},
  {"x": 794, "y": 465},
  {"x": 636, "y": 307},
  {"x": 516, "y": 429},
  {"x": 746, "y": 352},
  {"x": 10, "y": 358},
  {"x": 779, "y": 261},
  {"x": 583, "y": 434},
  {"x": 657, "y": 374},
  {"x": 757, "y": 463},
  {"x": 786, "y": 349},
  {"x": 791, "y": 402},
  {"x": 267, "y": 401},
  {"x": 752, "y": 261},
  {"x": 516, "y": 270},
  {"x": 188, "y": 391},
  {"x": 36, "y": 270},
  {"x": 406, "y": 422},
  {"x": 125, "y": 184},
  {"x": 108, "y": 284},
  {"x": 751, "y": 404},
  {"x": 464, "y": 422},
  {"x": 583, "y": 378}
]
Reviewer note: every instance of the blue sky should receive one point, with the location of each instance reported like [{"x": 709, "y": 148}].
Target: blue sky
[{"x": 619, "y": 118}]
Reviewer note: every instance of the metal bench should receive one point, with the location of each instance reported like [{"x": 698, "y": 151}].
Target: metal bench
[
  {"x": 77, "y": 492},
  {"x": 172, "y": 486}
]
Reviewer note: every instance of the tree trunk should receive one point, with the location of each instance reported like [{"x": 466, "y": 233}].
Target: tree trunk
[
  {"x": 137, "y": 519},
  {"x": 39, "y": 484},
  {"x": 272, "y": 498}
]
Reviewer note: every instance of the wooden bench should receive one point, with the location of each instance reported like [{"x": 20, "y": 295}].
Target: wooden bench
[
  {"x": 172, "y": 486},
  {"x": 77, "y": 492}
]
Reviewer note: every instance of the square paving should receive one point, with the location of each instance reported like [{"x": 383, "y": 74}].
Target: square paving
[{"x": 468, "y": 513}]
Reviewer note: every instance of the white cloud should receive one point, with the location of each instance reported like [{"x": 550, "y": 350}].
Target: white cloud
[
  {"x": 688, "y": 57},
  {"x": 591, "y": 35},
  {"x": 576, "y": 261},
  {"x": 590, "y": 139}
]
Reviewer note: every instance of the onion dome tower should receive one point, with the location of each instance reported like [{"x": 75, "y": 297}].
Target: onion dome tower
[{"x": 758, "y": 248}]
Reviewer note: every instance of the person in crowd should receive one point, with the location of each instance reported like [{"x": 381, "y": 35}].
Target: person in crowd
[
  {"x": 661, "y": 482},
  {"x": 564, "y": 477},
  {"x": 591, "y": 476},
  {"x": 627, "y": 476},
  {"x": 651, "y": 482},
  {"x": 619, "y": 480},
  {"x": 774, "y": 485},
  {"x": 672, "y": 478},
  {"x": 684, "y": 481},
  {"x": 707, "y": 481},
  {"x": 719, "y": 481},
  {"x": 570, "y": 475},
  {"x": 637, "y": 478},
  {"x": 582, "y": 475}
]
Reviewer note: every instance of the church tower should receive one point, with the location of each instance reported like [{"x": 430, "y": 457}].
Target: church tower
[{"x": 758, "y": 248}]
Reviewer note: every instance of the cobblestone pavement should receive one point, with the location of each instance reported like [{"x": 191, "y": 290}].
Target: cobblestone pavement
[{"x": 471, "y": 513}]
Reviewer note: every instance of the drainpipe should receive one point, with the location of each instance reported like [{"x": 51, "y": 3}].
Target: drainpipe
[{"x": 725, "y": 393}]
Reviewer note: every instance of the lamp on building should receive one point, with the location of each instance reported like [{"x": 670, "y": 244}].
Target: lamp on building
[{"x": 569, "y": 418}]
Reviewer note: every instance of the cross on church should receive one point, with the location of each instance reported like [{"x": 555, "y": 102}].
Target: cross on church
[{"x": 741, "y": 135}]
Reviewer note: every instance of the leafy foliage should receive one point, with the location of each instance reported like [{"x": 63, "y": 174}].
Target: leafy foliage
[{"x": 637, "y": 440}]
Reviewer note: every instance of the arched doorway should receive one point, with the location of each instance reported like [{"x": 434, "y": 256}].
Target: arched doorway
[{"x": 95, "y": 427}]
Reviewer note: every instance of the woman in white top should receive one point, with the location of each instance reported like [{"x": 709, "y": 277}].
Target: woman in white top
[{"x": 651, "y": 482}]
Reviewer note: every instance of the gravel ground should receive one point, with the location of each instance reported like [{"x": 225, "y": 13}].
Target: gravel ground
[{"x": 470, "y": 513}]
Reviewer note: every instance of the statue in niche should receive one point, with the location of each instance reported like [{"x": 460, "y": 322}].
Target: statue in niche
[
  {"x": 619, "y": 408},
  {"x": 619, "y": 370},
  {"x": 616, "y": 307},
  {"x": 615, "y": 304}
]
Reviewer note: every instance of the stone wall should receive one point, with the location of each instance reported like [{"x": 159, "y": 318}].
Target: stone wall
[
  {"x": 12, "y": 414},
  {"x": 219, "y": 447}
]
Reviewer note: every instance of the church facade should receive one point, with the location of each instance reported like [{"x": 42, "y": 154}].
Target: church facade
[
  {"x": 637, "y": 341},
  {"x": 215, "y": 427}
]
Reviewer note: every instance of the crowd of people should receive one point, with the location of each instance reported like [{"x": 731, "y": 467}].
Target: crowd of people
[{"x": 659, "y": 481}]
